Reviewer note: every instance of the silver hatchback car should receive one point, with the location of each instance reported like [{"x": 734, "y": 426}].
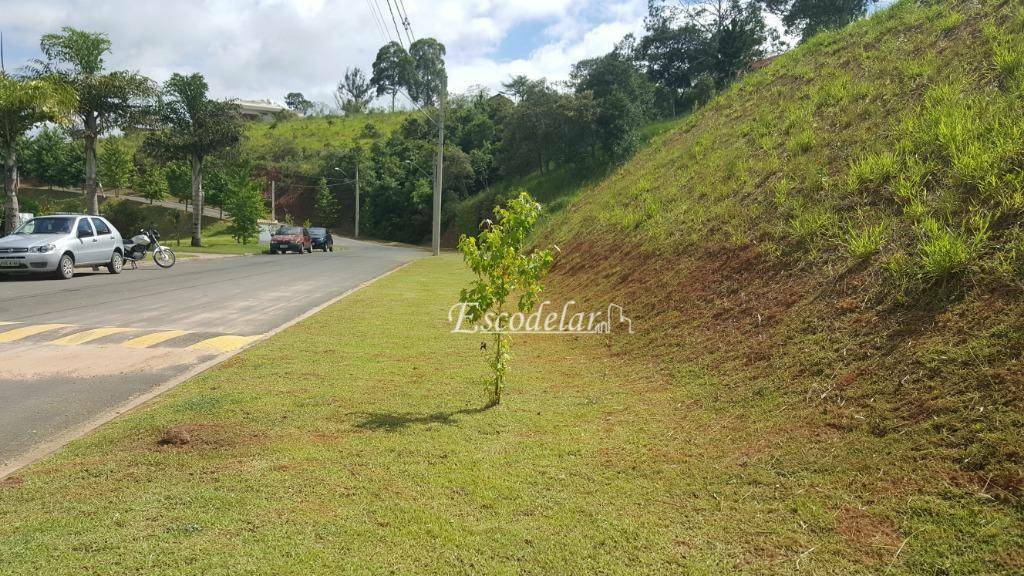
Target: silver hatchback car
[{"x": 59, "y": 244}]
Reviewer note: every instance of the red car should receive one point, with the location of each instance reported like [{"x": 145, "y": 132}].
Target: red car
[{"x": 291, "y": 239}]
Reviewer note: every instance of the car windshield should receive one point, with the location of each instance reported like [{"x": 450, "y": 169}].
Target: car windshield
[
  {"x": 48, "y": 225},
  {"x": 289, "y": 231},
  {"x": 318, "y": 232}
]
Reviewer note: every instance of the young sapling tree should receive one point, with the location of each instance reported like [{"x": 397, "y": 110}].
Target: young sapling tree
[{"x": 507, "y": 275}]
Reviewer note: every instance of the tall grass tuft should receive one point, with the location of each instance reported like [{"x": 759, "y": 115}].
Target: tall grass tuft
[
  {"x": 810, "y": 224},
  {"x": 944, "y": 253},
  {"x": 873, "y": 171},
  {"x": 801, "y": 143},
  {"x": 865, "y": 242}
]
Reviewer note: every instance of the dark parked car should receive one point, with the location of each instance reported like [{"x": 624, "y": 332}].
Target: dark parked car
[
  {"x": 322, "y": 239},
  {"x": 291, "y": 239}
]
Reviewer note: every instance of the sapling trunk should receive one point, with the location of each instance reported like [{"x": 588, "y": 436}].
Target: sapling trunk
[{"x": 499, "y": 372}]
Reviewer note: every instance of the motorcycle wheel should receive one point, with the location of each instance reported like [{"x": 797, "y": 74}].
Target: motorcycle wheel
[{"x": 164, "y": 257}]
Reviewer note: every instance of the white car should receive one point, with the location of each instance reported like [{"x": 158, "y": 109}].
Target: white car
[{"x": 59, "y": 244}]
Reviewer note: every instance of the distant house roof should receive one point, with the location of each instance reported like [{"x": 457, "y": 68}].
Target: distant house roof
[{"x": 259, "y": 106}]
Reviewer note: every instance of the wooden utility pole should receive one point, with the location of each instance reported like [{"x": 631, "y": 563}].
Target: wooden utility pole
[
  {"x": 273, "y": 205},
  {"x": 439, "y": 171},
  {"x": 357, "y": 198}
]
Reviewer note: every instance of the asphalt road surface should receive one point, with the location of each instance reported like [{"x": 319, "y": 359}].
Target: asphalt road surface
[{"x": 75, "y": 350}]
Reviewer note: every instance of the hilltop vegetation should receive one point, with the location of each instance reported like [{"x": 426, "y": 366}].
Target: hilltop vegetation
[
  {"x": 299, "y": 145},
  {"x": 838, "y": 238}
]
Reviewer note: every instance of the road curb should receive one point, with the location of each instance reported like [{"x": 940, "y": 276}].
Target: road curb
[{"x": 57, "y": 442}]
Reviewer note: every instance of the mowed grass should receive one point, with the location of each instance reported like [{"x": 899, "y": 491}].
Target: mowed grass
[
  {"x": 356, "y": 443},
  {"x": 217, "y": 240},
  {"x": 217, "y": 244}
]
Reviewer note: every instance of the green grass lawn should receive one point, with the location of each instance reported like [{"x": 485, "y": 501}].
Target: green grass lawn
[
  {"x": 355, "y": 442},
  {"x": 217, "y": 244},
  {"x": 216, "y": 240}
]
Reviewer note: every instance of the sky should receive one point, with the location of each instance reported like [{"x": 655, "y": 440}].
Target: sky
[{"x": 263, "y": 49}]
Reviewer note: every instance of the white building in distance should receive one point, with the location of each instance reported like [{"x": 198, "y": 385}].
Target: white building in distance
[{"x": 259, "y": 110}]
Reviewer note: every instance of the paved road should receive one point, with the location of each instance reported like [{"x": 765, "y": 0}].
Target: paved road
[{"x": 76, "y": 349}]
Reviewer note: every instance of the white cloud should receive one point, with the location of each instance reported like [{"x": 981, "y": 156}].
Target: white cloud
[{"x": 266, "y": 48}]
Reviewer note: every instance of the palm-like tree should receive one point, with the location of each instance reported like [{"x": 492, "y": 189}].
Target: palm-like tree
[
  {"x": 106, "y": 100},
  {"x": 24, "y": 103},
  {"x": 194, "y": 127}
]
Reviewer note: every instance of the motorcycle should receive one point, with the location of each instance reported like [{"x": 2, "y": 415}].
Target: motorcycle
[{"x": 144, "y": 242}]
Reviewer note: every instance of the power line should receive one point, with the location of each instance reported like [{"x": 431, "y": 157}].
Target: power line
[
  {"x": 284, "y": 174},
  {"x": 376, "y": 21},
  {"x": 395, "y": 22},
  {"x": 416, "y": 107},
  {"x": 329, "y": 185},
  {"x": 378, "y": 13},
  {"x": 404, "y": 14}
]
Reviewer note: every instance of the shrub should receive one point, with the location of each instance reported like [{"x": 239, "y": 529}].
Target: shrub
[
  {"x": 703, "y": 89},
  {"x": 126, "y": 216},
  {"x": 245, "y": 203}
]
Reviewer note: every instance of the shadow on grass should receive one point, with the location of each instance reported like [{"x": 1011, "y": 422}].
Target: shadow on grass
[{"x": 397, "y": 421}]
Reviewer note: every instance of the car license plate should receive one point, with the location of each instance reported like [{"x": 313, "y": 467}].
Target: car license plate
[{"x": 9, "y": 263}]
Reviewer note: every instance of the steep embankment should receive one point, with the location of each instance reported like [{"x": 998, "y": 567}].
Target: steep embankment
[{"x": 838, "y": 239}]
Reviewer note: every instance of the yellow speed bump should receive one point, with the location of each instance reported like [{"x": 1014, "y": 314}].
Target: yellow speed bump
[
  {"x": 222, "y": 343},
  {"x": 153, "y": 339},
  {"x": 25, "y": 332},
  {"x": 89, "y": 336}
]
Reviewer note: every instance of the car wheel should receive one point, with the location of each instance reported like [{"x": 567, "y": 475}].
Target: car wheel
[
  {"x": 66, "y": 267},
  {"x": 116, "y": 263},
  {"x": 273, "y": 251}
]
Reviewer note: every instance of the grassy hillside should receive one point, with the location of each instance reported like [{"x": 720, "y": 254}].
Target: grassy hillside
[
  {"x": 296, "y": 144},
  {"x": 299, "y": 142},
  {"x": 838, "y": 239},
  {"x": 554, "y": 188}
]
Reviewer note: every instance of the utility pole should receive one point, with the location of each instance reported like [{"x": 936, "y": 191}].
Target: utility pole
[
  {"x": 357, "y": 198},
  {"x": 439, "y": 170},
  {"x": 273, "y": 203}
]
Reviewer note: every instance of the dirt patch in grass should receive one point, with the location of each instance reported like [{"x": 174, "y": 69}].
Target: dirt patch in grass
[
  {"x": 874, "y": 539},
  {"x": 12, "y": 482},
  {"x": 207, "y": 436},
  {"x": 717, "y": 296}
]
